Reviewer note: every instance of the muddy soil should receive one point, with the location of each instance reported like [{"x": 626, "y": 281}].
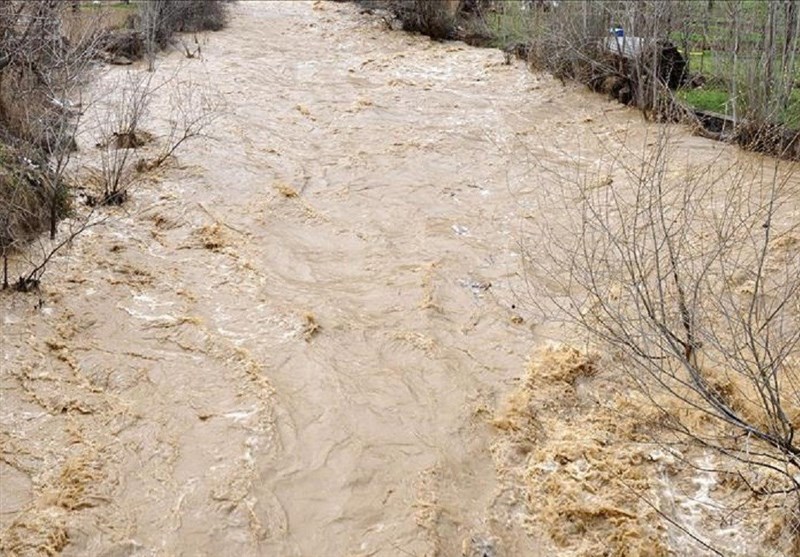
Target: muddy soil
[{"x": 293, "y": 340}]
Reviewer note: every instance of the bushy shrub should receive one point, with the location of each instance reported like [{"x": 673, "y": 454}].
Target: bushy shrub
[
  {"x": 200, "y": 15},
  {"x": 434, "y": 18},
  {"x": 160, "y": 19}
]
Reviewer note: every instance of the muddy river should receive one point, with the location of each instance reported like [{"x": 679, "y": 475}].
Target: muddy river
[{"x": 293, "y": 340}]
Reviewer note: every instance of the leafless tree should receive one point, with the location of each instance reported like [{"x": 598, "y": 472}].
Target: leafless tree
[
  {"x": 746, "y": 53},
  {"x": 152, "y": 15},
  {"x": 46, "y": 56},
  {"x": 40, "y": 253},
  {"x": 689, "y": 275}
]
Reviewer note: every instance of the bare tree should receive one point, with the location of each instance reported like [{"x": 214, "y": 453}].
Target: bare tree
[
  {"x": 40, "y": 256},
  {"x": 46, "y": 55},
  {"x": 120, "y": 126},
  {"x": 51, "y": 53},
  {"x": 690, "y": 276},
  {"x": 152, "y": 15},
  {"x": 56, "y": 125}
]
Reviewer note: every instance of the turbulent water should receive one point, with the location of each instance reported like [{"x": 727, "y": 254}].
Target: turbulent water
[{"x": 290, "y": 341}]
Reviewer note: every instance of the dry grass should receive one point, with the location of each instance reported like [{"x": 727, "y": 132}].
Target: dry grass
[
  {"x": 304, "y": 111},
  {"x": 416, "y": 340}
]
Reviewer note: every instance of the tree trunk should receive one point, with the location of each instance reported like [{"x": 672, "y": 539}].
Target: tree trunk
[
  {"x": 53, "y": 217},
  {"x": 789, "y": 51},
  {"x": 734, "y": 85},
  {"x": 769, "y": 64}
]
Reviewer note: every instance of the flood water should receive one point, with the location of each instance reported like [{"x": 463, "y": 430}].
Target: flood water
[{"x": 289, "y": 340}]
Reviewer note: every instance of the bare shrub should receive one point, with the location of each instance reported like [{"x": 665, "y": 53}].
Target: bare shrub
[
  {"x": 41, "y": 253},
  {"x": 44, "y": 57},
  {"x": 200, "y": 15},
  {"x": 121, "y": 127},
  {"x": 574, "y": 42},
  {"x": 735, "y": 62},
  {"x": 434, "y": 18},
  {"x": 194, "y": 108},
  {"x": 120, "y": 131},
  {"x": 47, "y": 50}
]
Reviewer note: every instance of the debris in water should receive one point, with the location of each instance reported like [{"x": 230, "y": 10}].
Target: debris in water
[
  {"x": 126, "y": 140},
  {"x": 416, "y": 340},
  {"x": 36, "y": 532},
  {"x": 211, "y": 237},
  {"x": 477, "y": 286},
  {"x": 286, "y": 190},
  {"x": 311, "y": 327},
  {"x": 79, "y": 477},
  {"x": 428, "y": 289},
  {"x": 603, "y": 182},
  {"x": 304, "y": 111}
]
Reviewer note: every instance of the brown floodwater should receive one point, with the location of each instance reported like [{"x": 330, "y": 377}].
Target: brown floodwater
[{"x": 291, "y": 340}]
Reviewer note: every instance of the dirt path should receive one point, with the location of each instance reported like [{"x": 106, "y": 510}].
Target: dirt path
[{"x": 289, "y": 345}]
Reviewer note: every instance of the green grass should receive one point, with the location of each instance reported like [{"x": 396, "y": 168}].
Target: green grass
[
  {"x": 713, "y": 100},
  {"x": 706, "y": 62},
  {"x": 791, "y": 116},
  {"x": 718, "y": 100}
]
